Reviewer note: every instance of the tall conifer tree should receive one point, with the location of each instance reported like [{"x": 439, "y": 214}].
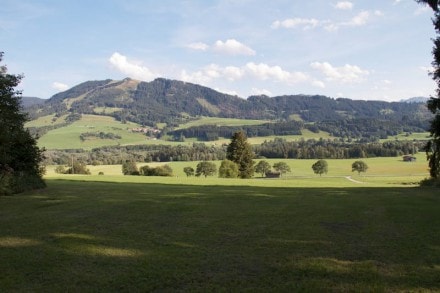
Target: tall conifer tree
[{"x": 240, "y": 152}]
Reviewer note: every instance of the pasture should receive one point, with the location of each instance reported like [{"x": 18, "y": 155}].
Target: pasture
[
  {"x": 69, "y": 137},
  {"x": 103, "y": 236},
  {"x": 339, "y": 232},
  {"x": 382, "y": 172}
]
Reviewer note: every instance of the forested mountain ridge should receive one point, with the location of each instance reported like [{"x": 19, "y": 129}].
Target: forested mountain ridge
[{"x": 174, "y": 102}]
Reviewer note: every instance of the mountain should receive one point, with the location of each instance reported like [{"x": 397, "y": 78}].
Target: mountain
[
  {"x": 416, "y": 100},
  {"x": 174, "y": 102},
  {"x": 31, "y": 101}
]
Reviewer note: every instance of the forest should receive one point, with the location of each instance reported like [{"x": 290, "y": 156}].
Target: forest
[{"x": 277, "y": 148}]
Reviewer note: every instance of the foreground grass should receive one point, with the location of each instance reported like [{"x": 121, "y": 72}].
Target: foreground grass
[{"x": 98, "y": 236}]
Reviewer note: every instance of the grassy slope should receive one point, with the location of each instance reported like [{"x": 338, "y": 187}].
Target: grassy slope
[
  {"x": 90, "y": 236},
  {"x": 46, "y": 121},
  {"x": 68, "y": 137},
  {"x": 221, "y": 122}
]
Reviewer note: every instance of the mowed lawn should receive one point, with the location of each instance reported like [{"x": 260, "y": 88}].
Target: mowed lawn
[{"x": 132, "y": 237}]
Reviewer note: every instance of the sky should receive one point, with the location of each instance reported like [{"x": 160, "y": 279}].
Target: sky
[{"x": 357, "y": 49}]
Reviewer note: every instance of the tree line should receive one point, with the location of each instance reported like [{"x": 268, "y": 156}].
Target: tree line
[{"x": 277, "y": 148}]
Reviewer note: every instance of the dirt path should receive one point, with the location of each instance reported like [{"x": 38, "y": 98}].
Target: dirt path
[{"x": 352, "y": 180}]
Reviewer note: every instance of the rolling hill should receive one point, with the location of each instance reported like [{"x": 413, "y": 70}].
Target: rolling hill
[{"x": 174, "y": 106}]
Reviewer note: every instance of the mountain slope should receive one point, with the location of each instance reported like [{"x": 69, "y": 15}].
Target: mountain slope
[{"x": 174, "y": 102}]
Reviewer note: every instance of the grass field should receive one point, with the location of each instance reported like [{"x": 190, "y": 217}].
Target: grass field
[
  {"x": 221, "y": 122},
  {"x": 99, "y": 236},
  {"x": 382, "y": 172},
  {"x": 46, "y": 121}
]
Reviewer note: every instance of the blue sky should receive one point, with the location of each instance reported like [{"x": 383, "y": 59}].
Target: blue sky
[{"x": 369, "y": 49}]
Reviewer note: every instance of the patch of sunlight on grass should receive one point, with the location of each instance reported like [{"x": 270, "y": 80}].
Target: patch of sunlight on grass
[
  {"x": 74, "y": 236},
  {"x": 184, "y": 245},
  {"x": 339, "y": 266},
  {"x": 301, "y": 242},
  {"x": 17, "y": 242},
  {"x": 101, "y": 250}
]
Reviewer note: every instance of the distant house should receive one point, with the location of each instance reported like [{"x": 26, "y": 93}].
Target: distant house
[
  {"x": 272, "y": 174},
  {"x": 409, "y": 158}
]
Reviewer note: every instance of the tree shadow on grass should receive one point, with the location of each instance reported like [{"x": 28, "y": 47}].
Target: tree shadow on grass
[{"x": 97, "y": 236}]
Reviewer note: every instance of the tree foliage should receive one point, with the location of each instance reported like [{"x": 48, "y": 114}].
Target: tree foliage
[
  {"x": 359, "y": 166},
  {"x": 129, "y": 167},
  {"x": 320, "y": 167},
  {"x": 262, "y": 167},
  {"x": 228, "y": 169},
  {"x": 240, "y": 152},
  {"x": 77, "y": 168},
  {"x": 164, "y": 170},
  {"x": 433, "y": 146},
  {"x": 282, "y": 167},
  {"x": 189, "y": 171},
  {"x": 206, "y": 169},
  {"x": 20, "y": 156}
]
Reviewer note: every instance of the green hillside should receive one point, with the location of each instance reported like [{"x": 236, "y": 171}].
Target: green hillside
[{"x": 68, "y": 137}]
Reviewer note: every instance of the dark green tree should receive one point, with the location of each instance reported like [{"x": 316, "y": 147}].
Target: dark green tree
[
  {"x": 228, "y": 169},
  {"x": 359, "y": 166},
  {"x": 129, "y": 168},
  {"x": 206, "y": 169},
  {"x": 433, "y": 146},
  {"x": 282, "y": 167},
  {"x": 189, "y": 171},
  {"x": 262, "y": 167},
  {"x": 240, "y": 152},
  {"x": 78, "y": 168},
  {"x": 320, "y": 167},
  {"x": 164, "y": 170},
  {"x": 20, "y": 157}
]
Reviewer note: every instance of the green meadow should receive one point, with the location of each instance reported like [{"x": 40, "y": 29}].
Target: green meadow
[
  {"x": 218, "y": 121},
  {"x": 340, "y": 232},
  {"x": 69, "y": 137},
  {"x": 142, "y": 236},
  {"x": 382, "y": 172}
]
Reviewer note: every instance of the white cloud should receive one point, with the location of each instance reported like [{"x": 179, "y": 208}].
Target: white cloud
[
  {"x": 133, "y": 70},
  {"x": 229, "y": 47},
  {"x": 60, "y": 86},
  {"x": 258, "y": 92},
  {"x": 344, "y": 5},
  {"x": 359, "y": 20},
  {"x": 233, "y": 47},
  {"x": 199, "y": 46},
  {"x": 263, "y": 71},
  {"x": 213, "y": 71},
  {"x": 318, "y": 83},
  {"x": 306, "y": 23},
  {"x": 259, "y": 71},
  {"x": 345, "y": 74}
]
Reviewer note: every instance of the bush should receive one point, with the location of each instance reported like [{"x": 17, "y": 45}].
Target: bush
[
  {"x": 60, "y": 169},
  {"x": 78, "y": 168},
  {"x": 130, "y": 168},
  {"x": 164, "y": 170},
  {"x": 430, "y": 182},
  {"x": 228, "y": 169}
]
